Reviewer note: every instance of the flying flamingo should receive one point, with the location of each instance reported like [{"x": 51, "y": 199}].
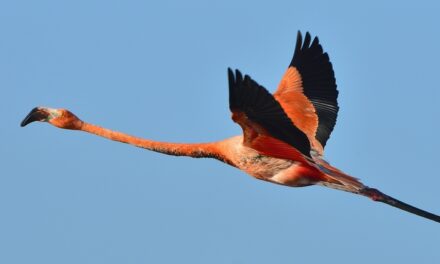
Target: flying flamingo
[{"x": 284, "y": 134}]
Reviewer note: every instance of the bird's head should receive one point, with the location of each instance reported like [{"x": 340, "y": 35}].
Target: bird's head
[{"x": 61, "y": 118}]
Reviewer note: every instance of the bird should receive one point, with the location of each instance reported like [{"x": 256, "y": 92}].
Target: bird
[{"x": 284, "y": 133}]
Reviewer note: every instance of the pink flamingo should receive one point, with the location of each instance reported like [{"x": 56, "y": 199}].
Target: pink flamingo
[{"x": 284, "y": 134}]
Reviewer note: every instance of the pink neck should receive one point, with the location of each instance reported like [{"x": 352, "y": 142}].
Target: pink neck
[{"x": 198, "y": 150}]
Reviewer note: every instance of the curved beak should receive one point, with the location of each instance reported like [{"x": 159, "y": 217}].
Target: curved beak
[{"x": 36, "y": 114}]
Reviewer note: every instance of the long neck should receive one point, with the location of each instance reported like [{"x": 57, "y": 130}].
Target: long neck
[{"x": 199, "y": 150}]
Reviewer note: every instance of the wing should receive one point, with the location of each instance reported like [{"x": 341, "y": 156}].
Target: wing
[
  {"x": 261, "y": 116},
  {"x": 307, "y": 91}
]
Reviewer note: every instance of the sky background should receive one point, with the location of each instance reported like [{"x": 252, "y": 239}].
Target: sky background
[{"x": 158, "y": 70}]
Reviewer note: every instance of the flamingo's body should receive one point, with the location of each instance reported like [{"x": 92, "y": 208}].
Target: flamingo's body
[{"x": 284, "y": 134}]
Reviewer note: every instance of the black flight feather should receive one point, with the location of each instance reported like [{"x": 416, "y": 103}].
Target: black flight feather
[
  {"x": 319, "y": 83},
  {"x": 247, "y": 96}
]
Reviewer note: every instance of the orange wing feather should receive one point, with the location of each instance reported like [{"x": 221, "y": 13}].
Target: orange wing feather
[
  {"x": 307, "y": 92},
  {"x": 258, "y": 138},
  {"x": 297, "y": 106}
]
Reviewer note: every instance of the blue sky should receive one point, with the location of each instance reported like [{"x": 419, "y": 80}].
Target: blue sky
[{"x": 158, "y": 70}]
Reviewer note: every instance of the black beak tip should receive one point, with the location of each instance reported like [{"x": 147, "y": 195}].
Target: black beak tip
[
  {"x": 34, "y": 115},
  {"x": 25, "y": 122}
]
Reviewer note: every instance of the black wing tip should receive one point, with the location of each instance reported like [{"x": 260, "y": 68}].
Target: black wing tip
[
  {"x": 230, "y": 74},
  {"x": 237, "y": 89},
  {"x": 299, "y": 37},
  {"x": 302, "y": 45},
  {"x": 237, "y": 77},
  {"x": 232, "y": 89},
  {"x": 234, "y": 74}
]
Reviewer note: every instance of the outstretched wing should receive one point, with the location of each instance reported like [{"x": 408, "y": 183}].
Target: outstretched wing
[
  {"x": 307, "y": 91},
  {"x": 261, "y": 116}
]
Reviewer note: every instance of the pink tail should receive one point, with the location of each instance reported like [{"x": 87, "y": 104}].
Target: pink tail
[{"x": 339, "y": 179}]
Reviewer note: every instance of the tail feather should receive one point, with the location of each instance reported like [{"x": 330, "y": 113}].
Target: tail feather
[{"x": 338, "y": 179}]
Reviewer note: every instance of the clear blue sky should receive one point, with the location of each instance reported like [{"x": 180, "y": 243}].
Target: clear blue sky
[{"x": 159, "y": 71}]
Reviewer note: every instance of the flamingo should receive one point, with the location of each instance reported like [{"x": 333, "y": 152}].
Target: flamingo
[{"x": 284, "y": 134}]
